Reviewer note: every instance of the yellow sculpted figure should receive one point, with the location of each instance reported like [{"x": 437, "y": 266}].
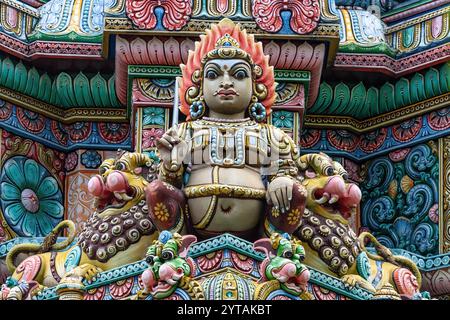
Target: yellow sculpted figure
[{"x": 225, "y": 169}]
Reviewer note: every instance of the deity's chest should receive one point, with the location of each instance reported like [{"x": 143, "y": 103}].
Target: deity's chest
[{"x": 229, "y": 145}]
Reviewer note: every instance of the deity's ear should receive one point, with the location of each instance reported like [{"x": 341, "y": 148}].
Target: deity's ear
[
  {"x": 264, "y": 245},
  {"x": 186, "y": 242}
]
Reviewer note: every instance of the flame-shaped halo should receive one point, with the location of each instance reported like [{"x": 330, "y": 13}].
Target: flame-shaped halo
[{"x": 190, "y": 85}]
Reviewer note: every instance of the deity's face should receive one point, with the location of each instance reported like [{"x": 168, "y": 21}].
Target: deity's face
[{"x": 227, "y": 85}]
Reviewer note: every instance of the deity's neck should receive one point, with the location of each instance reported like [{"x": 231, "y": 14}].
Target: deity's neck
[{"x": 235, "y": 116}]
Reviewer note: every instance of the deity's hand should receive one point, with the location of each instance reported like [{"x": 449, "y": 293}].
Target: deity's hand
[
  {"x": 279, "y": 193},
  {"x": 172, "y": 149}
]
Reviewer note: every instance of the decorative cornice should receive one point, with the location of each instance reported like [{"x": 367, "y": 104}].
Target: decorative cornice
[
  {"x": 64, "y": 116},
  {"x": 389, "y": 66},
  {"x": 383, "y": 120},
  {"x": 413, "y": 9},
  {"x": 405, "y": 24}
]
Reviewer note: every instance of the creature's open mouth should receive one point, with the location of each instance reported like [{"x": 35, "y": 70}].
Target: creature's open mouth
[
  {"x": 291, "y": 282},
  {"x": 115, "y": 200},
  {"x": 162, "y": 286},
  {"x": 293, "y": 285},
  {"x": 332, "y": 203}
]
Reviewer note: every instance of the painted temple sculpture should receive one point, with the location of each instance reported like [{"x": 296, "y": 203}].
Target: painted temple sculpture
[{"x": 217, "y": 163}]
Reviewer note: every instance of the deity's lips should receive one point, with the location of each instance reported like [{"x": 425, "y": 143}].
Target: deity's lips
[{"x": 227, "y": 93}]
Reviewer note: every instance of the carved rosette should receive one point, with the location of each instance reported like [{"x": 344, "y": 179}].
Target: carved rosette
[
  {"x": 305, "y": 14},
  {"x": 142, "y": 13}
]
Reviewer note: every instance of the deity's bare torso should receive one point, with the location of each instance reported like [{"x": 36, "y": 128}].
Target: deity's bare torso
[{"x": 229, "y": 163}]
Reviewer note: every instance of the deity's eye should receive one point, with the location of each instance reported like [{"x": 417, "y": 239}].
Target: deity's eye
[
  {"x": 211, "y": 74},
  {"x": 240, "y": 74}
]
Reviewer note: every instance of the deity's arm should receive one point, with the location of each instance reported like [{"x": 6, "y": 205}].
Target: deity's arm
[
  {"x": 171, "y": 168},
  {"x": 284, "y": 154}
]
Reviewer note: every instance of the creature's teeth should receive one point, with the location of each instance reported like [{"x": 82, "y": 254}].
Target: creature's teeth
[
  {"x": 126, "y": 197},
  {"x": 118, "y": 195},
  {"x": 171, "y": 282},
  {"x": 322, "y": 200},
  {"x": 334, "y": 199}
]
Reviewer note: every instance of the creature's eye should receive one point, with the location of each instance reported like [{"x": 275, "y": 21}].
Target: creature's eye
[
  {"x": 120, "y": 166},
  {"x": 345, "y": 176},
  {"x": 149, "y": 259},
  {"x": 211, "y": 74},
  {"x": 240, "y": 74},
  {"x": 102, "y": 170},
  {"x": 329, "y": 171},
  {"x": 287, "y": 254},
  {"x": 167, "y": 255}
]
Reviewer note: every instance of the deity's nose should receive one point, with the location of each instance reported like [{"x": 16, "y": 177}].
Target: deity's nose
[{"x": 226, "y": 83}]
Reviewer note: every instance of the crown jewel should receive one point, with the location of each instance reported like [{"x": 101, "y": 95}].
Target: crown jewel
[{"x": 227, "y": 41}]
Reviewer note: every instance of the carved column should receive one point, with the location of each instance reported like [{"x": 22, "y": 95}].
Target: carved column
[{"x": 444, "y": 195}]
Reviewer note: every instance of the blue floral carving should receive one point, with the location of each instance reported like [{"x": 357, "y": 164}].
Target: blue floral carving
[
  {"x": 31, "y": 200},
  {"x": 91, "y": 159},
  {"x": 153, "y": 115},
  {"x": 283, "y": 119},
  {"x": 397, "y": 199}
]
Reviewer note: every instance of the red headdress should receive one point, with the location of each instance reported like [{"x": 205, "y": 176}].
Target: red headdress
[{"x": 209, "y": 46}]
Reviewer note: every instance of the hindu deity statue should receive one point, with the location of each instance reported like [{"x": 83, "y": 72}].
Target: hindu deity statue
[{"x": 225, "y": 169}]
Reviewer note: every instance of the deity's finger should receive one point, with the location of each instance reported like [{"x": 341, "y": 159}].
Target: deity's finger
[
  {"x": 285, "y": 197},
  {"x": 279, "y": 196},
  {"x": 164, "y": 143},
  {"x": 274, "y": 199},
  {"x": 289, "y": 192},
  {"x": 172, "y": 133}
]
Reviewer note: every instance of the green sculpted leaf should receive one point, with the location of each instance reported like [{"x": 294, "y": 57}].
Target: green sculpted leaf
[
  {"x": 54, "y": 98},
  {"x": 402, "y": 95},
  {"x": 372, "y": 102},
  {"x": 112, "y": 92},
  {"x": 20, "y": 77},
  {"x": 358, "y": 98},
  {"x": 444, "y": 77},
  {"x": 417, "y": 88},
  {"x": 7, "y": 77},
  {"x": 32, "y": 87},
  {"x": 387, "y": 102},
  {"x": 432, "y": 87},
  {"x": 323, "y": 100},
  {"x": 82, "y": 92},
  {"x": 99, "y": 90},
  {"x": 341, "y": 99},
  {"x": 45, "y": 88},
  {"x": 65, "y": 91}
]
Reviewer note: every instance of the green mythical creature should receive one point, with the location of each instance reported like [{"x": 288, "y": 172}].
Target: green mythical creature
[
  {"x": 282, "y": 267},
  {"x": 117, "y": 233},
  {"x": 169, "y": 268}
]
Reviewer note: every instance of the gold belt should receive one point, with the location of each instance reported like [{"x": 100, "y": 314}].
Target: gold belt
[{"x": 223, "y": 190}]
